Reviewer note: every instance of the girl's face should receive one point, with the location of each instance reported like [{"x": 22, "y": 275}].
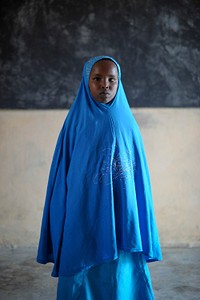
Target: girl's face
[{"x": 103, "y": 81}]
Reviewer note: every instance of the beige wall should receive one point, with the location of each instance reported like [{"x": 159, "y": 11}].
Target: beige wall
[{"x": 172, "y": 142}]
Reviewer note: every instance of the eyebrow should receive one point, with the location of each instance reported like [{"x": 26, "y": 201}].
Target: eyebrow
[{"x": 109, "y": 75}]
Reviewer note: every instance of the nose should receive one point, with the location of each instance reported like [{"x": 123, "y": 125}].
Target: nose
[{"x": 105, "y": 83}]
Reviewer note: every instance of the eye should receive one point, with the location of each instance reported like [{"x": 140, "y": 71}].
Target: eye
[
  {"x": 112, "y": 79},
  {"x": 96, "y": 78}
]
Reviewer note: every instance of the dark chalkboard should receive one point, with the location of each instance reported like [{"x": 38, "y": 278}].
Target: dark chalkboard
[{"x": 44, "y": 44}]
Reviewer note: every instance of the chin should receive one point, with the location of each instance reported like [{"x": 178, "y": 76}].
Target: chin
[{"x": 106, "y": 101}]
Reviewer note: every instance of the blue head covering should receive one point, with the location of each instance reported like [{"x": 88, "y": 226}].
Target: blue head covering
[{"x": 99, "y": 196}]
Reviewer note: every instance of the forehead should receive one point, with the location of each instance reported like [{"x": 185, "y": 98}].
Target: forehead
[
  {"x": 105, "y": 66},
  {"x": 90, "y": 63}
]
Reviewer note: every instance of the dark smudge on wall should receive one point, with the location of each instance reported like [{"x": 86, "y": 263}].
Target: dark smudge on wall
[{"x": 44, "y": 44}]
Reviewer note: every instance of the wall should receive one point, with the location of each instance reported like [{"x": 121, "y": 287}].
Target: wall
[
  {"x": 172, "y": 142},
  {"x": 44, "y": 44}
]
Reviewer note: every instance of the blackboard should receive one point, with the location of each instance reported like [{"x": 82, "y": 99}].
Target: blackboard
[{"x": 44, "y": 44}]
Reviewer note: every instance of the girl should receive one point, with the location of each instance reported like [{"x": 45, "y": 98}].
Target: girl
[{"x": 98, "y": 225}]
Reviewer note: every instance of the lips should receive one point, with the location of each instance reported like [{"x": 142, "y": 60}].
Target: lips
[{"x": 104, "y": 93}]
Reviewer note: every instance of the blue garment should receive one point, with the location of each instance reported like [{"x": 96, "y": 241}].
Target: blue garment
[
  {"x": 126, "y": 278},
  {"x": 99, "y": 197}
]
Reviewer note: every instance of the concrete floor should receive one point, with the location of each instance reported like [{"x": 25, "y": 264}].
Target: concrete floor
[{"x": 177, "y": 277}]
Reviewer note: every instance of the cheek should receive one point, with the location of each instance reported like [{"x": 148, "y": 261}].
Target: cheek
[
  {"x": 115, "y": 88},
  {"x": 90, "y": 87},
  {"x": 92, "y": 90}
]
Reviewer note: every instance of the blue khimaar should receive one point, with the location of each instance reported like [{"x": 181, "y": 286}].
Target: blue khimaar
[{"x": 99, "y": 198}]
